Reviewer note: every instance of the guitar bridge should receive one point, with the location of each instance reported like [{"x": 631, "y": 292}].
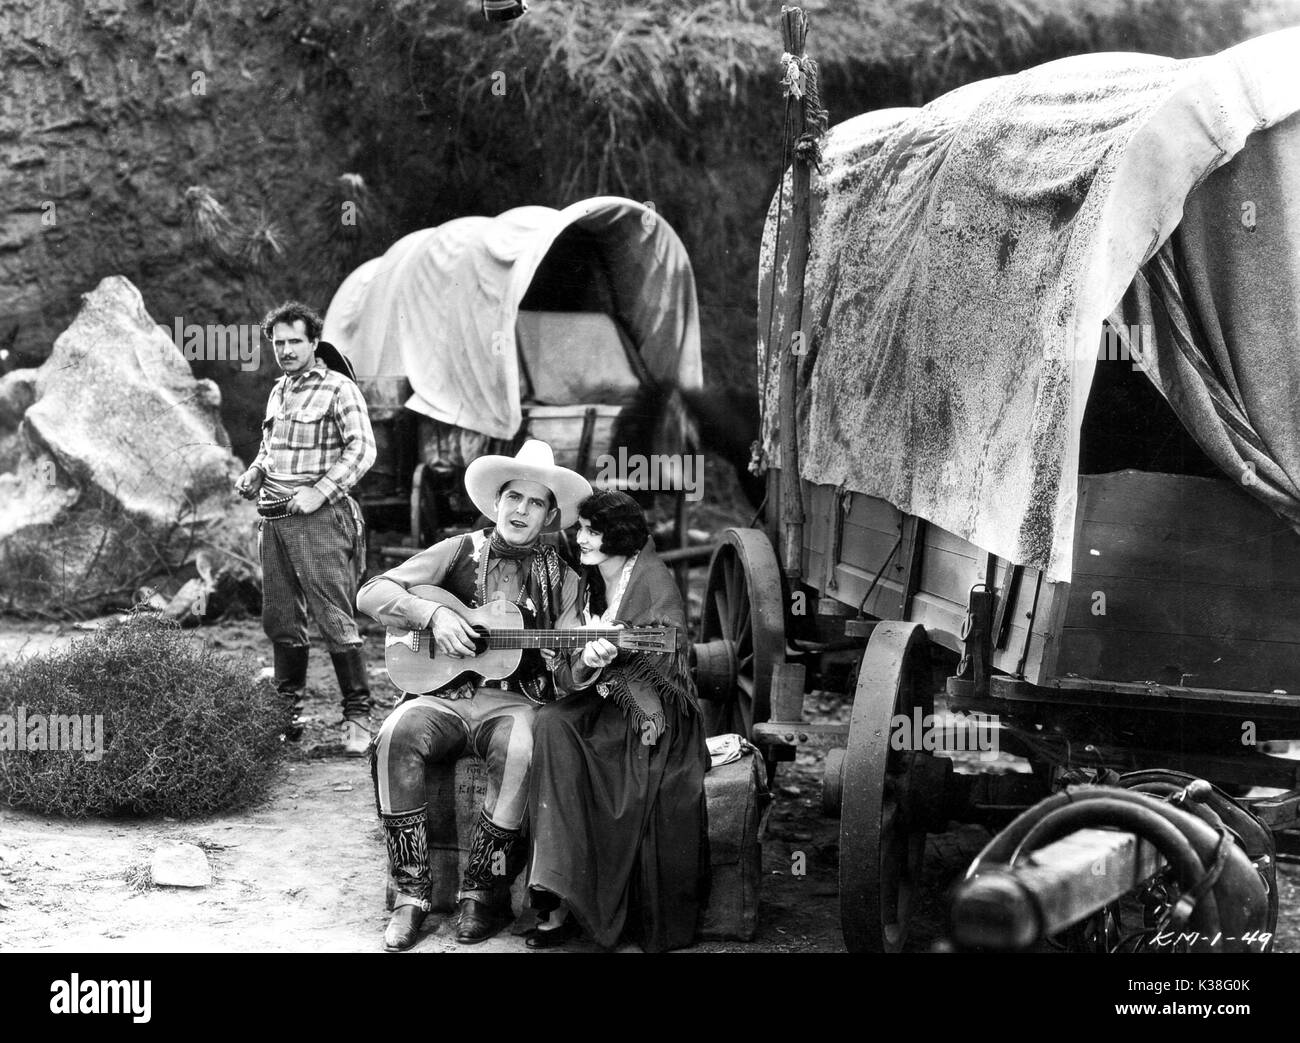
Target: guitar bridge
[{"x": 409, "y": 638}]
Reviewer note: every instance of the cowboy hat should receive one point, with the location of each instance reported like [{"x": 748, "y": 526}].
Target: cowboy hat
[
  {"x": 535, "y": 462},
  {"x": 335, "y": 359}
]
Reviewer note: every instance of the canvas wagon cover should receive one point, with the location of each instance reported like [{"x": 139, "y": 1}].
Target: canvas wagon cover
[
  {"x": 963, "y": 259},
  {"x": 439, "y": 308}
]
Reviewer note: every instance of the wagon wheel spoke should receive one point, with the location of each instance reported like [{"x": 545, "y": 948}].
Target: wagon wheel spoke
[
  {"x": 895, "y": 875},
  {"x": 724, "y": 616},
  {"x": 734, "y": 586},
  {"x": 739, "y": 610}
]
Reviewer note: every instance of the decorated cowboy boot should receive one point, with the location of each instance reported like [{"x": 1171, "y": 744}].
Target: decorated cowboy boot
[
  {"x": 290, "y": 682},
  {"x": 407, "y": 836},
  {"x": 496, "y": 856},
  {"x": 350, "y": 669}
]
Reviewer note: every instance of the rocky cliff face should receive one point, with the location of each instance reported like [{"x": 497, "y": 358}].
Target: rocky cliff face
[
  {"x": 115, "y": 113},
  {"x": 109, "y": 111}
]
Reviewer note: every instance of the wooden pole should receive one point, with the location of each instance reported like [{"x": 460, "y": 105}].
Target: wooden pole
[{"x": 794, "y": 31}]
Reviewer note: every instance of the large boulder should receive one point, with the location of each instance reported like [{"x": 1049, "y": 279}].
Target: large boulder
[{"x": 118, "y": 471}]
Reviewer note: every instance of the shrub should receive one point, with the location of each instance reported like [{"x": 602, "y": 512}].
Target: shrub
[{"x": 185, "y": 731}]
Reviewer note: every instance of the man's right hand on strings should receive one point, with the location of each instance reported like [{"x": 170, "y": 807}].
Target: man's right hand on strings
[{"x": 451, "y": 634}]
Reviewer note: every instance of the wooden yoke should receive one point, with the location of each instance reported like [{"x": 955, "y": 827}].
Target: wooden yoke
[{"x": 805, "y": 122}]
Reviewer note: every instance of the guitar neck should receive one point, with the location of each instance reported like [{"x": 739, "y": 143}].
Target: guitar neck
[{"x": 558, "y": 639}]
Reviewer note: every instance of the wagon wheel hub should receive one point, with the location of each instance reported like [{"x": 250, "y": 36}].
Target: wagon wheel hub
[{"x": 715, "y": 669}]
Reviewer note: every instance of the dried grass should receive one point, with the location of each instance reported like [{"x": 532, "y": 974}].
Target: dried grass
[
  {"x": 209, "y": 224},
  {"x": 186, "y": 731},
  {"x": 602, "y": 78},
  {"x": 264, "y": 243}
]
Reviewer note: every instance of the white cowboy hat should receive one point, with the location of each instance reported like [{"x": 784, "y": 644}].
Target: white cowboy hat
[{"x": 535, "y": 462}]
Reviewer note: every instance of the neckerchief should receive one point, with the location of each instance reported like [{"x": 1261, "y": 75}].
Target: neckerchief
[
  {"x": 499, "y": 548},
  {"x": 538, "y": 593}
]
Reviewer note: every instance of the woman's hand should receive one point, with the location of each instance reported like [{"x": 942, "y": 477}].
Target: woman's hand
[
  {"x": 651, "y": 730},
  {"x": 599, "y": 653}
]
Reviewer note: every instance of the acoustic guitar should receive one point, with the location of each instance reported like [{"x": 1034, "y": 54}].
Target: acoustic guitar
[{"x": 415, "y": 664}]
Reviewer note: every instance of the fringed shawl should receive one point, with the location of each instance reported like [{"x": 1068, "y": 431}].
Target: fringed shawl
[{"x": 651, "y": 598}]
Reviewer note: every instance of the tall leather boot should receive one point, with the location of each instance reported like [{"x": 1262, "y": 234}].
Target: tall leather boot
[
  {"x": 406, "y": 835},
  {"x": 350, "y": 669},
  {"x": 496, "y": 856},
  {"x": 290, "y": 682}
]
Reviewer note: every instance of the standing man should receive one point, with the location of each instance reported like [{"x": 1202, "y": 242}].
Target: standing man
[
  {"x": 316, "y": 445},
  {"x": 526, "y": 495}
]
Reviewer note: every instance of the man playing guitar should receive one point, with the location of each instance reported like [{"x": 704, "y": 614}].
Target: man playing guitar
[{"x": 526, "y": 495}]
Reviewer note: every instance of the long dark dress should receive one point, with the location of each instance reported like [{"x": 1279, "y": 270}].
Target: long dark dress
[{"x": 619, "y": 828}]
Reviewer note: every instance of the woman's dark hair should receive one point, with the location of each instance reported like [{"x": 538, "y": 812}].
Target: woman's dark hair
[
  {"x": 623, "y": 532},
  {"x": 618, "y": 519}
]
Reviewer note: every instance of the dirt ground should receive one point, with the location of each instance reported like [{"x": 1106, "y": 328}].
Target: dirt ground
[{"x": 304, "y": 871}]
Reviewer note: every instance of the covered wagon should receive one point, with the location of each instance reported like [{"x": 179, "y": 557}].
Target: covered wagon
[
  {"x": 1030, "y": 393},
  {"x": 577, "y": 326}
]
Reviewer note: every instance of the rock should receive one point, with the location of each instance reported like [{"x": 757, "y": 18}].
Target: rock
[
  {"x": 121, "y": 461},
  {"x": 216, "y": 591},
  {"x": 17, "y": 395},
  {"x": 180, "y": 865},
  {"x": 30, "y": 495},
  {"x": 190, "y": 603},
  {"x": 118, "y": 408}
]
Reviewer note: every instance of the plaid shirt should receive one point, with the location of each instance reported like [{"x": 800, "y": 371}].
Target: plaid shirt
[{"x": 317, "y": 425}]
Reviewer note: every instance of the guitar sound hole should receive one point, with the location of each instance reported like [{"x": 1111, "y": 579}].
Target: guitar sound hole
[{"x": 480, "y": 640}]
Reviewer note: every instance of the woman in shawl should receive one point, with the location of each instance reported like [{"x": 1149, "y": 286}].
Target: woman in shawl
[{"x": 620, "y": 842}]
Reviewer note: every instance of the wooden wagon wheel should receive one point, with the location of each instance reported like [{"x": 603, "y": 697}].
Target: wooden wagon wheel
[
  {"x": 742, "y": 633},
  {"x": 880, "y": 851}
]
